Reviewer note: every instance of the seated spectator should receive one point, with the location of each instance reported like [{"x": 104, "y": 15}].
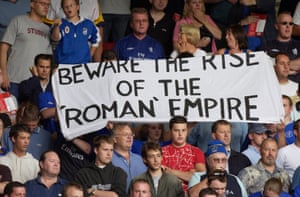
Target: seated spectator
[
  {"x": 189, "y": 38},
  {"x": 194, "y": 14},
  {"x": 254, "y": 177},
  {"x": 208, "y": 192},
  {"x": 256, "y": 134},
  {"x": 5, "y": 178},
  {"x": 216, "y": 180},
  {"x": 140, "y": 187},
  {"x": 236, "y": 40},
  {"x": 161, "y": 183},
  {"x": 47, "y": 182},
  {"x": 73, "y": 190},
  {"x": 149, "y": 133},
  {"x": 40, "y": 139},
  {"x": 286, "y": 155},
  {"x": 21, "y": 163},
  {"x": 77, "y": 38},
  {"x": 139, "y": 45},
  {"x": 14, "y": 189},
  {"x": 191, "y": 158},
  {"x": 272, "y": 188},
  {"x": 216, "y": 159}
]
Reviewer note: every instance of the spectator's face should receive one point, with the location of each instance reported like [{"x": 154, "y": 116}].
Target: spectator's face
[
  {"x": 70, "y": 8},
  {"x": 154, "y": 132},
  {"x": 179, "y": 134},
  {"x": 51, "y": 164},
  {"x": 223, "y": 133},
  {"x": 257, "y": 138},
  {"x": 40, "y": 7},
  {"x": 31, "y": 124},
  {"x": 217, "y": 161},
  {"x": 140, "y": 24},
  {"x": 282, "y": 66},
  {"x": 104, "y": 153},
  {"x": 141, "y": 189},
  {"x": 21, "y": 142},
  {"x": 219, "y": 187},
  {"x": 153, "y": 160},
  {"x": 124, "y": 138},
  {"x": 74, "y": 192},
  {"x": 196, "y": 5},
  {"x": 284, "y": 26},
  {"x": 270, "y": 193},
  {"x": 288, "y": 108},
  {"x": 159, "y": 5},
  {"x": 268, "y": 153},
  {"x": 231, "y": 41},
  {"x": 18, "y": 192},
  {"x": 43, "y": 69}
]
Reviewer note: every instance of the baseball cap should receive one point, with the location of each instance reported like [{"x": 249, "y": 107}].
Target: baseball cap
[
  {"x": 258, "y": 128},
  {"x": 215, "y": 146}
]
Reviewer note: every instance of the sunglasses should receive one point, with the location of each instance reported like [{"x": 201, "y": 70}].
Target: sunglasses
[{"x": 286, "y": 23}]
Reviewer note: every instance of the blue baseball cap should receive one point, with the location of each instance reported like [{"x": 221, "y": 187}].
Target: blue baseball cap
[{"x": 215, "y": 146}]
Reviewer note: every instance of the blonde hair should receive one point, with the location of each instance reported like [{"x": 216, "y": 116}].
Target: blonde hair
[
  {"x": 187, "y": 10},
  {"x": 192, "y": 33}
]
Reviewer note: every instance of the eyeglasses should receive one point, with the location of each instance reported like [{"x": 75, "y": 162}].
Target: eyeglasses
[
  {"x": 286, "y": 23},
  {"x": 43, "y": 3},
  {"x": 219, "y": 160}
]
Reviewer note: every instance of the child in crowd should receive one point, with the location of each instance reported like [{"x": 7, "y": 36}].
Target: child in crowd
[{"x": 73, "y": 35}]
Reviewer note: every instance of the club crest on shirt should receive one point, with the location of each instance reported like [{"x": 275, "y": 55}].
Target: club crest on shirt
[
  {"x": 84, "y": 31},
  {"x": 67, "y": 29},
  {"x": 151, "y": 49}
]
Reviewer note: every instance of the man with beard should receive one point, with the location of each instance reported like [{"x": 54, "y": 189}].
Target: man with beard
[{"x": 254, "y": 177}]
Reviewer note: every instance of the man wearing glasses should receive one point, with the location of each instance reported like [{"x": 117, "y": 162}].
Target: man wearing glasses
[
  {"x": 122, "y": 157},
  {"x": 216, "y": 159},
  {"x": 25, "y": 37}
]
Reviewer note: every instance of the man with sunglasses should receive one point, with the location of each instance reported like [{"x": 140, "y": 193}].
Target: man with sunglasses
[
  {"x": 216, "y": 159},
  {"x": 285, "y": 43}
]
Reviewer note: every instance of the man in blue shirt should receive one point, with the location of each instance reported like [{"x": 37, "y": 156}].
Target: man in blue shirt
[
  {"x": 47, "y": 183},
  {"x": 139, "y": 45}
]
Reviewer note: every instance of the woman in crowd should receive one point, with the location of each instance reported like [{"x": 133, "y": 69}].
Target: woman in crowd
[{"x": 194, "y": 13}]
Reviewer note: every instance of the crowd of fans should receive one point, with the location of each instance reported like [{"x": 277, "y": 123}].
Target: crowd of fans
[{"x": 179, "y": 158}]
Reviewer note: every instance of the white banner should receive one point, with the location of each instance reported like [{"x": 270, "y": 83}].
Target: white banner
[{"x": 241, "y": 87}]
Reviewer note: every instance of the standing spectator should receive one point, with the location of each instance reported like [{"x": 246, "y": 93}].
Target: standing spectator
[
  {"x": 161, "y": 25},
  {"x": 139, "y": 45},
  {"x": 77, "y": 37},
  {"x": 286, "y": 155},
  {"x": 191, "y": 158},
  {"x": 256, "y": 134},
  {"x": 194, "y": 14},
  {"x": 25, "y": 37},
  {"x": 216, "y": 159},
  {"x": 122, "y": 157},
  {"x": 14, "y": 189},
  {"x": 21, "y": 163},
  {"x": 47, "y": 182},
  {"x": 140, "y": 188},
  {"x": 221, "y": 130},
  {"x": 161, "y": 183},
  {"x": 102, "y": 178},
  {"x": 40, "y": 139},
  {"x": 116, "y": 16},
  {"x": 89, "y": 9},
  {"x": 254, "y": 177}
]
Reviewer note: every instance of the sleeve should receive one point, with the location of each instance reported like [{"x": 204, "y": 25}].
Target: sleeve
[
  {"x": 119, "y": 185},
  {"x": 95, "y": 38},
  {"x": 244, "y": 179},
  {"x": 6, "y": 142},
  {"x": 176, "y": 30},
  {"x": 296, "y": 17},
  {"x": 195, "y": 179},
  {"x": 5, "y": 173},
  {"x": 296, "y": 179},
  {"x": 98, "y": 16},
  {"x": 280, "y": 158},
  {"x": 200, "y": 158},
  {"x": 179, "y": 189},
  {"x": 297, "y": 191},
  {"x": 10, "y": 33},
  {"x": 242, "y": 186},
  {"x": 46, "y": 101}
]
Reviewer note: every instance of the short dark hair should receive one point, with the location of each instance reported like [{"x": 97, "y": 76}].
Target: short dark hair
[
  {"x": 138, "y": 11},
  {"x": 18, "y": 128},
  {"x": 273, "y": 184},
  {"x": 215, "y": 125},
  {"x": 288, "y": 98},
  {"x": 70, "y": 185},
  {"x": 138, "y": 180},
  {"x": 27, "y": 112},
  {"x": 176, "y": 120},
  {"x": 9, "y": 188},
  {"x": 207, "y": 191},
  {"x": 118, "y": 126},
  {"x": 279, "y": 54},
  {"x": 42, "y": 56},
  {"x": 217, "y": 175},
  {"x": 150, "y": 146},
  {"x": 98, "y": 140}
]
